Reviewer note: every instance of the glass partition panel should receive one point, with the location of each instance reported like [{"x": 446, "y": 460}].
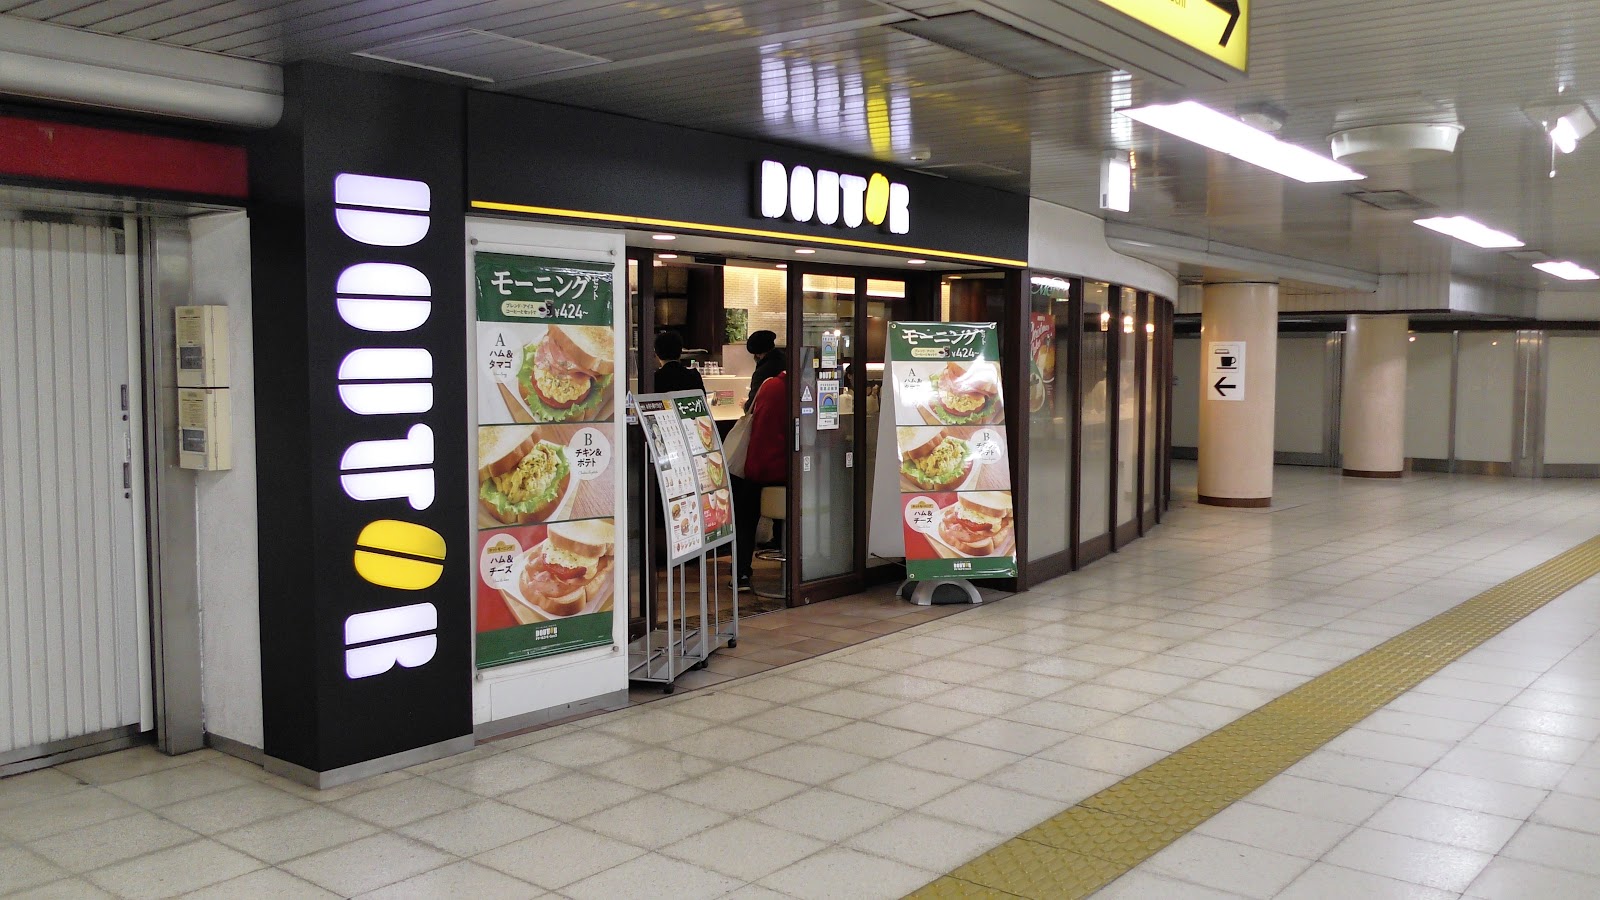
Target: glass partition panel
[
  {"x": 1094, "y": 510},
  {"x": 1127, "y": 408},
  {"x": 828, "y": 471},
  {"x": 1049, "y": 418},
  {"x": 1152, "y": 418}
]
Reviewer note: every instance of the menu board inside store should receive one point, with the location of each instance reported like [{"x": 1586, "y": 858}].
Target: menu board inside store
[
  {"x": 546, "y": 501},
  {"x": 691, "y": 471},
  {"x": 950, "y": 437}
]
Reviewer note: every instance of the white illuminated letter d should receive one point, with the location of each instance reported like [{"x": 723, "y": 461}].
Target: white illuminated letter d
[{"x": 772, "y": 186}]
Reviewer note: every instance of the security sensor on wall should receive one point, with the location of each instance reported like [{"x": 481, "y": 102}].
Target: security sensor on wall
[
  {"x": 1566, "y": 123},
  {"x": 1116, "y": 182}
]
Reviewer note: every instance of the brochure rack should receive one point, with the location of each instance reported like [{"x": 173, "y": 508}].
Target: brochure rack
[{"x": 685, "y": 452}]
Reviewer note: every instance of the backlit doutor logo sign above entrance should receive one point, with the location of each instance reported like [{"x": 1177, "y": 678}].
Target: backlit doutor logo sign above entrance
[
  {"x": 802, "y": 194},
  {"x": 394, "y": 557}
]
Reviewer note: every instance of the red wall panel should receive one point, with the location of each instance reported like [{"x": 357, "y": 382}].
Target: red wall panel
[{"x": 57, "y": 152}]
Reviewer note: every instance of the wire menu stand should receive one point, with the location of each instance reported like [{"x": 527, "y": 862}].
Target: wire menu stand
[{"x": 684, "y": 449}]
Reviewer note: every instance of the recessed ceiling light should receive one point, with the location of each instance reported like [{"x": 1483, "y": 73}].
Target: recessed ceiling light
[
  {"x": 1225, "y": 134},
  {"x": 804, "y": 251},
  {"x": 663, "y": 237},
  {"x": 781, "y": 266},
  {"x": 667, "y": 256},
  {"x": 1567, "y": 269},
  {"x": 916, "y": 262},
  {"x": 1470, "y": 230}
]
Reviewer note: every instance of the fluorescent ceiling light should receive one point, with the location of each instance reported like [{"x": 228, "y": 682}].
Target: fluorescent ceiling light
[
  {"x": 663, "y": 237},
  {"x": 668, "y": 256},
  {"x": 1225, "y": 134},
  {"x": 916, "y": 262},
  {"x": 1571, "y": 271},
  {"x": 1470, "y": 230},
  {"x": 804, "y": 251}
]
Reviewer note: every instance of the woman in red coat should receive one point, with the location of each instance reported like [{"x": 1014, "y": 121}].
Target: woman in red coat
[{"x": 766, "y": 463}]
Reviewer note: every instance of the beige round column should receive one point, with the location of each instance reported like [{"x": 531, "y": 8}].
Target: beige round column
[
  {"x": 1238, "y": 389},
  {"x": 1372, "y": 414}
]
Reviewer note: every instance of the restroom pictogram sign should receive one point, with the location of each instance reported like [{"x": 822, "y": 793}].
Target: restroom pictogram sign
[{"x": 1225, "y": 370}]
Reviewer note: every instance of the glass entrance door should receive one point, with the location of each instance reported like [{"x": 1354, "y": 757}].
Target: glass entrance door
[
  {"x": 827, "y": 483},
  {"x": 837, "y": 329}
]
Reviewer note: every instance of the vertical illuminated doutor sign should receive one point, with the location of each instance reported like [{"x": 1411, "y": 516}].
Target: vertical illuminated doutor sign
[{"x": 357, "y": 231}]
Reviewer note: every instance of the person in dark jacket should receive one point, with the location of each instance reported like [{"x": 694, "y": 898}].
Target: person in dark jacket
[
  {"x": 766, "y": 464},
  {"x": 763, "y": 345},
  {"x": 673, "y": 374}
]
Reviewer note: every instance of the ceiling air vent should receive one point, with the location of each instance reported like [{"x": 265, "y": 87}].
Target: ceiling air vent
[
  {"x": 968, "y": 170},
  {"x": 480, "y": 55},
  {"x": 995, "y": 42},
  {"x": 1392, "y": 201}
]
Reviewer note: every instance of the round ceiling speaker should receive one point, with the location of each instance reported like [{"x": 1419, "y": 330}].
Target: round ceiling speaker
[{"x": 1392, "y": 145}]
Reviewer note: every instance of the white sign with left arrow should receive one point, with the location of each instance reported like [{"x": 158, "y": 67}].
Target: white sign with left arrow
[{"x": 1225, "y": 370}]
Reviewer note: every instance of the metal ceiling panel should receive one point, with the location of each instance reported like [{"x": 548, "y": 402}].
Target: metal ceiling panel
[{"x": 837, "y": 76}]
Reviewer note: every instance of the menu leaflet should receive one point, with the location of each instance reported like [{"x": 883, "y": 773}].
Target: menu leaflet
[
  {"x": 690, "y": 469},
  {"x": 950, "y": 435},
  {"x": 545, "y": 367}
]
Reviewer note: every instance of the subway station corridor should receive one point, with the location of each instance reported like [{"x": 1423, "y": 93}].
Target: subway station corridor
[{"x": 913, "y": 763}]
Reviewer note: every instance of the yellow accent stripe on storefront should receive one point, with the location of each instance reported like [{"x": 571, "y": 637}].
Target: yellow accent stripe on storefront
[
  {"x": 670, "y": 224},
  {"x": 1090, "y": 845}
]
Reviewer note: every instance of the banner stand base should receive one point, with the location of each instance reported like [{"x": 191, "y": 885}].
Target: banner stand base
[{"x": 940, "y": 592}]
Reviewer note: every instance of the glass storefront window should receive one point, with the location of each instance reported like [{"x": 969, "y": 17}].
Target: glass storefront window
[
  {"x": 1049, "y": 418},
  {"x": 1152, "y": 418},
  {"x": 1127, "y": 408},
  {"x": 1094, "y": 510}
]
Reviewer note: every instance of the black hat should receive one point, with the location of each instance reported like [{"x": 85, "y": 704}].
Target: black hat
[
  {"x": 669, "y": 346},
  {"x": 761, "y": 341}
]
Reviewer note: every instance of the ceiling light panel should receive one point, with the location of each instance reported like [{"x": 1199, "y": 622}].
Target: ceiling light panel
[
  {"x": 1471, "y": 231},
  {"x": 1568, "y": 270},
  {"x": 1225, "y": 134}
]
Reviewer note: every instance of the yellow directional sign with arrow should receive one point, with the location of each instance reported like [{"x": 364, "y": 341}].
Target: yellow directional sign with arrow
[{"x": 1217, "y": 28}]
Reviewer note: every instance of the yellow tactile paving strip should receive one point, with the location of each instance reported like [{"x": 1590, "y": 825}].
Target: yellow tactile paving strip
[{"x": 1090, "y": 845}]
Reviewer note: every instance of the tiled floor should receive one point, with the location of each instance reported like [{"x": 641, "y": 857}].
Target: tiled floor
[
  {"x": 874, "y": 769},
  {"x": 771, "y": 639}
]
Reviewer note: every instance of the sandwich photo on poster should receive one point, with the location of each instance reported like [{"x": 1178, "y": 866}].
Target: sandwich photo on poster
[
  {"x": 544, "y": 589},
  {"x": 528, "y": 474},
  {"x": 937, "y": 458},
  {"x": 545, "y": 489},
  {"x": 951, "y": 443},
  {"x": 948, "y": 393},
  {"x": 546, "y": 349},
  {"x": 960, "y": 535}
]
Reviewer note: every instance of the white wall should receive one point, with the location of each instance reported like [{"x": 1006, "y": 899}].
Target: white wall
[
  {"x": 1485, "y": 380},
  {"x": 1428, "y": 397},
  {"x": 1571, "y": 428},
  {"x": 1186, "y": 391},
  {"x": 1064, "y": 240},
  {"x": 1569, "y": 305},
  {"x": 225, "y": 502},
  {"x": 1300, "y": 416}
]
